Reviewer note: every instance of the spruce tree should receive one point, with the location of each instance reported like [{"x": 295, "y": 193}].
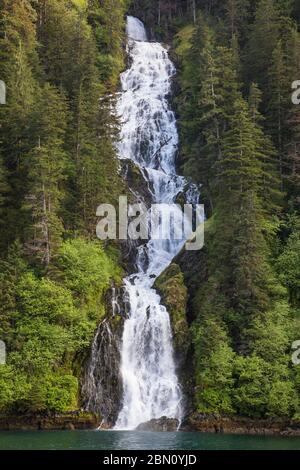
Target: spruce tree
[
  {"x": 17, "y": 65},
  {"x": 292, "y": 128},
  {"x": 263, "y": 37},
  {"x": 239, "y": 234},
  {"x": 4, "y": 190},
  {"x": 278, "y": 101},
  {"x": 292, "y": 158},
  {"x": 46, "y": 165},
  {"x": 201, "y": 119},
  {"x": 237, "y": 13},
  {"x": 271, "y": 194}
]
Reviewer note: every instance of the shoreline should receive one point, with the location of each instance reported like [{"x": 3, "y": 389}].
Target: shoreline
[
  {"x": 227, "y": 425},
  {"x": 56, "y": 422},
  {"x": 238, "y": 425}
]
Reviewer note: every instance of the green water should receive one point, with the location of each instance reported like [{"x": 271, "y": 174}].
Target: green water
[{"x": 116, "y": 440}]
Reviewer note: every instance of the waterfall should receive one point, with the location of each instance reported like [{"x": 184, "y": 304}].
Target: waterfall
[{"x": 149, "y": 138}]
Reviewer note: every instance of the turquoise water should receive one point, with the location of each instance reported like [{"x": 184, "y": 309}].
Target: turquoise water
[{"x": 116, "y": 440}]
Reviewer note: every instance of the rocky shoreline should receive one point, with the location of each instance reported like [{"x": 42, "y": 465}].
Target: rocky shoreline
[
  {"x": 68, "y": 421},
  {"x": 195, "y": 422},
  {"x": 241, "y": 425}
]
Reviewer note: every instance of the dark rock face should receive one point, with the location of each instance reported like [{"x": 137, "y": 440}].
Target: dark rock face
[
  {"x": 195, "y": 269},
  {"x": 163, "y": 424},
  {"x": 139, "y": 193},
  {"x": 101, "y": 390},
  {"x": 136, "y": 182}
]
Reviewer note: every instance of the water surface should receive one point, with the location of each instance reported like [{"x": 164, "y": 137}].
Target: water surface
[{"x": 127, "y": 440}]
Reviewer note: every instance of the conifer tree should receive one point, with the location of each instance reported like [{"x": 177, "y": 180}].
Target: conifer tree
[
  {"x": 292, "y": 158},
  {"x": 255, "y": 99},
  {"x": 237, "y": 12},
  {"x": 215, "y": 90},
  {"x": 271, "y": 194},
  {"x": 292, "y": 128},
  {"x": 278, "y": 102},
  {"x": 201, "y": 116},
  {"x": 106, "y": 19},
  {"x": 46, "y": 169},
  {"x": 263, "y": 38},
  {"x": 239, "y": 230},
  {"x": 18, "y": 60},
  {"x": 4, "y": 189}
]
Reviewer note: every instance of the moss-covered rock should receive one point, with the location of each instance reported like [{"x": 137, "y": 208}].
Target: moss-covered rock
[
  {"x": 174, "y": 294},
  {"x": 173, "y": 291}
]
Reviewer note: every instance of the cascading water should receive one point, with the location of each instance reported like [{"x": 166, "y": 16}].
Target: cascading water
[{"x": 149, "y": 138}]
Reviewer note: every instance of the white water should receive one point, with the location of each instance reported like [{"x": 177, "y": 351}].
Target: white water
[{"x": 149, "y": 137}]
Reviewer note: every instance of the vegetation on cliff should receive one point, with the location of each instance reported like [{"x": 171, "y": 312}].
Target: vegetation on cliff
[
  {"x": 172, "y": 288},
  {"x": 239, "y": 140},
  {"x": 60, "y": 61}
]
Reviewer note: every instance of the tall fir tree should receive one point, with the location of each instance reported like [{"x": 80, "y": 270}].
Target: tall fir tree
[
  {"x": 263, "y": 37},
  {"x": 239, "y": 232},
  {"x": 17, "y": 65},
  {"x": 46, "y": 165}
]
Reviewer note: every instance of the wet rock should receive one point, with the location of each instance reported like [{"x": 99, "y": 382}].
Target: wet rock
[
  {"x": 148, "y": 311},
  {"x": 129, "y": 250},
  {"x": 138, "y": 193},
  {"x": 101, "y": 390},
  {"x": 163, "y": 424},
  {"x": 136, "y": 182}
]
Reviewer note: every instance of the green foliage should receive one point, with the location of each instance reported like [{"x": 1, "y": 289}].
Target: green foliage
[
  {"x": 60, "y": 61},
  {"x": 53, "y": 321},
  {"x": 107, "y": 21},
  {"x": 86, "y": 270},
  {"x": 252, "y": 386},
  {"x": 272, "y": 333},
  {"x": 57, "y": 133},
  {"x": 240, "y": 136},
  {"x": 263, "y": 389},
  {"x": 288, "y": 265},
  {"x": 54, "y": 393},
  {"x": 214, "y": 366},
  {"x": 283, "y": 399},
  {"x": 44, "y": 298},
  {"x": 13, "y": 386}
]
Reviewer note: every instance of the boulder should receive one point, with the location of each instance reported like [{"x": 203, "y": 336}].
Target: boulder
[{"x": 163, "y": 424}]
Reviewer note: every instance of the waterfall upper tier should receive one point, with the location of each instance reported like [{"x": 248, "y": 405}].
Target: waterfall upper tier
[{"x": 135, "y": 29}]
